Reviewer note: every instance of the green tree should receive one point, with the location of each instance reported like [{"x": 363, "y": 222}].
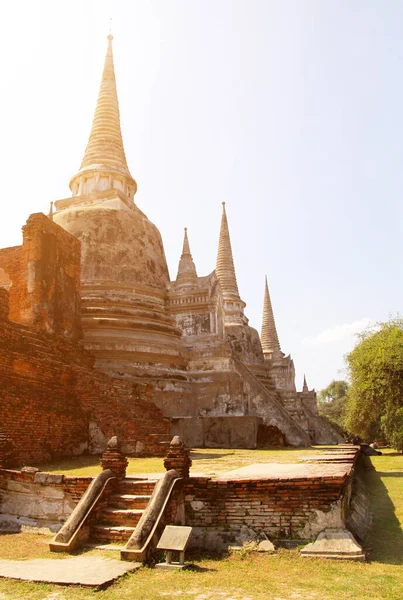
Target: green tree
[
  {"x": 375, "y": 401},
  {"x": 332, "y": 401}
]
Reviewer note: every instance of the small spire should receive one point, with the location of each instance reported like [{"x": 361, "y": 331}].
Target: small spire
[
  {"x": 225, "y": 269},
  {"x": 305, "y": 385},
  {"x": 269, "y": 337},
  {"x": 186, "y": 247},
  {"x": 50, "y": 215},
  {"x": 187, "y": 274}
]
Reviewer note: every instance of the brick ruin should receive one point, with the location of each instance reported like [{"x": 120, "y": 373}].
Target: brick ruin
[
  {"x": 53, "y": 402},
  {"x": 96, "y": 340}
]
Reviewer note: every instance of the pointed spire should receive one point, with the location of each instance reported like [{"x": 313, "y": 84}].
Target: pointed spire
[
  {"x": 105, "y": 154},
  {"x": 225, "y": 269},
  {"x": 187, "y": 274},
  {"x": 186, "y": 247},
  {"x": 305, "y": 385},
  {"x": 269, "y": 337}
]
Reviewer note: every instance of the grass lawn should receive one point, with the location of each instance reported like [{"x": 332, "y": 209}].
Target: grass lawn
[
  {"x": 205, "y": 460},
  {"x": 249, "y": 576}
]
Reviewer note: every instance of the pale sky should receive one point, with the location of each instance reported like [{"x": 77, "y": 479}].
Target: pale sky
[{"x": 289, "y": 110}]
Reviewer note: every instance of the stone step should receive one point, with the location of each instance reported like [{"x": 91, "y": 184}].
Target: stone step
[
  {"x": 129, "y": 501},
  {"x": 95, "y": 546},
  {"x": 121, "y": 517},
  {"x": 105, "y": 533},
  {"x": 136, "y": 487}
]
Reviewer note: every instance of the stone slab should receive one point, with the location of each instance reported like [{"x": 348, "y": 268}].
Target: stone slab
[
  {"x": 93, "y": 571},
  {"x": 174, "y": 537},
  {"x": 266, "y": 546},
  {"x": 337, "y": 544},
  {"x": 287, "y": 471}
]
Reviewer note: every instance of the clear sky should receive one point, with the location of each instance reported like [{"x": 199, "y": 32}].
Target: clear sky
[{"x": 289, "y": 110}]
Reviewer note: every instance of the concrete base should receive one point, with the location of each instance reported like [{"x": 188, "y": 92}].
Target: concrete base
[{"x": 338, "y": 544}]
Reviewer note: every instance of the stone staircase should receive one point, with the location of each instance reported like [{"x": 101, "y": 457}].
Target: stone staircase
[{"x": 118, "y": 519}]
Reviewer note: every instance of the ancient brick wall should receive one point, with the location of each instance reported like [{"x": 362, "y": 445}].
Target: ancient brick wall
[
  {"x": 11, "y": 279},
  {"x": 40, "y": 500},
  {"x": 50, "y": 393},
  {"x": 43, "y": 278},
  {"x": 50, "y": 262},
  {"x": 281, "y": 509}
]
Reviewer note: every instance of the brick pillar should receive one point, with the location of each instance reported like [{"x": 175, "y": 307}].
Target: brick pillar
[
  {"x": 113, "y": 458},
  {"x": 178, "y": 457},
  {"x": 4, "y": 304}
]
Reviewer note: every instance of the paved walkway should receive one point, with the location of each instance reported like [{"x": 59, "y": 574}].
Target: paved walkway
[
  {"x": 287, "y": 471},
  {"x": 94, "y": 571}
]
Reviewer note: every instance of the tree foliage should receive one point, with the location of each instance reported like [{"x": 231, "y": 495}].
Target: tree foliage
[
  {"x": 332, "y": 401},
  {"x": 375, "y": 401}
]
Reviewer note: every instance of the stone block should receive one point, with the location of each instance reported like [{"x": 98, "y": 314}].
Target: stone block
[{"x": 337, "y": 544}]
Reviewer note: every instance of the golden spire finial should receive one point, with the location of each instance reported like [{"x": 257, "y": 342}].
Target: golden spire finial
[
  {"x": 187, "y": 274},
  {"x": 269, "y": 337},
  {"x": 225, "y": 269}
]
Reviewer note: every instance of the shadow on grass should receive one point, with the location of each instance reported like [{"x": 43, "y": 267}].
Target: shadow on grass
[
  {"x": 203, "y": 455},
  {"x": 385, "y": 539}
]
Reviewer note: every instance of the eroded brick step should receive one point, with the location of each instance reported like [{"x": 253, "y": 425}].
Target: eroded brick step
[
  {"x": 121, "y": 517},
  {"x": 136, "y": 487},
  {"x": 115, "y": 546},
  {"x": 105, "y": 533},
  {"x": 129, "y": 501}
]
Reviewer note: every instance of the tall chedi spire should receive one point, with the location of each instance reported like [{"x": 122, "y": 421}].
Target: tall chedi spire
[
  {"x": 225, "y": 272},
  {"x": 225, "y": 269},
  {"x": 269, "y": 338},
  {"x": 104, "y": 166},
  {"x": 187, "y": 275}
]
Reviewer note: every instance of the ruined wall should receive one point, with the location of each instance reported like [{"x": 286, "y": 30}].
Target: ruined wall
[
  {"x": 217, "y": 432},
  {"x": 36, "y": 500},
  {"x": 288, "y": 509},
  {"x": 50, "y": 262},
  {"x": 43, "y": 277},
  {"x": 11, "y": 278},
  {"x": 53, "y": 402}
]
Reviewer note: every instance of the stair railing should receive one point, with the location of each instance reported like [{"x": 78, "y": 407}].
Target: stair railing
[
  {"x": 75, "y": 530},
  {"x": 144, "y": 539}
]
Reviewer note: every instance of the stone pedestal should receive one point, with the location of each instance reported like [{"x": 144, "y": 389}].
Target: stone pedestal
[
  {"x": 178, "y": 457},
  {"x": 113, "y": 458}
]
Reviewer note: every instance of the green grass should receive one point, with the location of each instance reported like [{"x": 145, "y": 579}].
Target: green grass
[
  {"x": 205, "y": 460},
  {"x": 285, "y": 576}
]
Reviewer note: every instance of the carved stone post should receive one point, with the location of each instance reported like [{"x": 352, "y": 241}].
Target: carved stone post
[
  {"x": 113, "y": 458},
  {"x": 178, "y": 457}
]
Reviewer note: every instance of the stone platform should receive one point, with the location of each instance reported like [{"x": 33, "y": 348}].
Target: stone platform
[
  {"x": 280, "y": 471},
  {"x": 92, "y": 571}
]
